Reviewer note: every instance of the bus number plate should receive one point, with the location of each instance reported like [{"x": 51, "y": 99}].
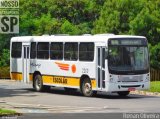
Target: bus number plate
[{"x": 131, "y": 89}]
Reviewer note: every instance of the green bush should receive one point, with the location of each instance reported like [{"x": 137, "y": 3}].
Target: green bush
[
  {"x": 4, "y": 72},
  {"x": 4, "y": 58},
  {"x": 155, "y": 56}
]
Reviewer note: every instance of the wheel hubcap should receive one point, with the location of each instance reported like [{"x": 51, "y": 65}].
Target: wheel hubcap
[
  {"x": 38, "y": 83},
  {"x": 87, "y": 88}
]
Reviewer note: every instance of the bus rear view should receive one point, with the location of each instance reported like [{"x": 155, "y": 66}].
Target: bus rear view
[{"x": 128, "y": 65}]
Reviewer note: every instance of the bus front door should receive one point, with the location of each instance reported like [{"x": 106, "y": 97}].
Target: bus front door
[
  {"x": 101, "y": 67},
  {"x": 25, "y": 63}
]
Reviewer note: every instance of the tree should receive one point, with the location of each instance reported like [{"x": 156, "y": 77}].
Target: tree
[
  {"x": 69, "y": 28},
  {"x": 140, "y": 17},
  {"x": 147, "y": 22},
  {"x": 155, "y": 56},
  {"x": 4, "y": 58},
  {"x": 116, "y": 15}
]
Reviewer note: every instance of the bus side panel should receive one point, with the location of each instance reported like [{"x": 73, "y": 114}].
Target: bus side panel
[
  {"x": 63, "y": 73},
  {"x": 16, "y": 69}
]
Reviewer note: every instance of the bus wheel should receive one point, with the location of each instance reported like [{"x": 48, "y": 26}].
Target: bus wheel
[
  {"x": 123, "y": 93},
  {"x": 38, "y": 83},
  {"x": 86, "y": 88}
]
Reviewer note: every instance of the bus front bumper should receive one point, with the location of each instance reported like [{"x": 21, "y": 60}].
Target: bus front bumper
[{"x": 115, "y": 87}]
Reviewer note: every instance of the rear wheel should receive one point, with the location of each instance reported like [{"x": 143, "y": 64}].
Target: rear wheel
[
  {"x": 38, "y": 84},
  {"x": 86, "y": 88},
  {"x": 123, "y": 93}
]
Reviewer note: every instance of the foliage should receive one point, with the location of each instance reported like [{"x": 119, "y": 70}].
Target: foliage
[
  {"x": 155, "y": 56},
  {"x": 4, "y": 58},
  {"x": 4, "y": 72},
  {"x": 51, "y": 16},
  {"x": 136, "y": 17},
  {"x": 147, "y": 21}
]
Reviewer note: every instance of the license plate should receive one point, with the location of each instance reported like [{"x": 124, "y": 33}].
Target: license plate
[{"x": 131, "y": 89}]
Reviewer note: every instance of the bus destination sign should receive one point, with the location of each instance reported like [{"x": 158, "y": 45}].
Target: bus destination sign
[{"x": 127, "y": 41}]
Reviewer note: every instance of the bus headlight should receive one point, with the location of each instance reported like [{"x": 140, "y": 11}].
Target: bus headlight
[{"x": 112, "y": 80}]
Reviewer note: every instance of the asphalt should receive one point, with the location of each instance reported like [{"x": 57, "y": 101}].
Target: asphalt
[{"x": 56, "y": 102}]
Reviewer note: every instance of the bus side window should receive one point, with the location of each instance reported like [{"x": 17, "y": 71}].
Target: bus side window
[
  {"x": 86, "y": 51},
  {"x": 16, "y": 49},
  {"x": 56, "y": 50},
  {"x": 71, "y": 51},
  {"x": 43, "y": 50},
  {"x": 33, "y": 53}
]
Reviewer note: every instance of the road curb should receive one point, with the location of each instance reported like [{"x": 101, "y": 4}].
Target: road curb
[{"x": 147, "y": 93}]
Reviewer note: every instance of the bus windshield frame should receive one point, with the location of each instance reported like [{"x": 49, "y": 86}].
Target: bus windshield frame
[{"x": 128, "y": 56}]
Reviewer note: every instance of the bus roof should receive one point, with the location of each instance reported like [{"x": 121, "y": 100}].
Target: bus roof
[{"x": 80, "y": 38}]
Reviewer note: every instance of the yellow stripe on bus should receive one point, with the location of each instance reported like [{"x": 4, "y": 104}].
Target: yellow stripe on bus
[
  {"x": 60, "y": 80},
  {"x": 93, "y": 83},
  {"x": 31, "y": 77},
  {"x": 66, "y": 81},
  {"x": 16, "y": 76}
]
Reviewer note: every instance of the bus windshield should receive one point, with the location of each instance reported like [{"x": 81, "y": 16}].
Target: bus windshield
[{"x": 128, "y": 58}]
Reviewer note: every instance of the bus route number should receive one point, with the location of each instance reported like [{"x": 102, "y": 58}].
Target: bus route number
[{"x": 85, "y": 70}]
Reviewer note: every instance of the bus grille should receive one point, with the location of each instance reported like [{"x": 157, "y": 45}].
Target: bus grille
[{"x": 130, "y": 78}]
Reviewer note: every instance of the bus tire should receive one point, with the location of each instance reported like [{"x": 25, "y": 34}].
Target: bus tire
[
  {"x": 123, "y": 93},
  {"x": 38, "y": 83},
  {"x": 86, "y": 88}
]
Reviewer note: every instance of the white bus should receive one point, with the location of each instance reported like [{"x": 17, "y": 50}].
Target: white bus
[{"x": 90, "y": 63}]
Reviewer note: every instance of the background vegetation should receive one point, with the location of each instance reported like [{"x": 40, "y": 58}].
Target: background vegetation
[{"x": 135, "y": 17}]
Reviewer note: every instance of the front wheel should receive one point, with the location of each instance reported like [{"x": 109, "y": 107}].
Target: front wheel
[
  {"x": 123, "y": 93},
  {"x": 86, "y": 88}
]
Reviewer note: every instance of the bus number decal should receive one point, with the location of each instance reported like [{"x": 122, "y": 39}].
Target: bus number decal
[
  {"x": 85, "y": 70},
  {"x": 61, "y": 80}
]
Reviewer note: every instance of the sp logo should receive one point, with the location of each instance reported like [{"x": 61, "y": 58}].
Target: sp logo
[{"x": 9, "y": 24}]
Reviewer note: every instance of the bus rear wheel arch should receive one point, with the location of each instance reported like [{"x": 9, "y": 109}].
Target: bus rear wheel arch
[
  {"x": 38, "y": 83},
  {"x": 86, "y": 87}
]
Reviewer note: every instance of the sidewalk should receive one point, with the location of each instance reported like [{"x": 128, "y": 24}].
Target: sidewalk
[{"x": 137, "y": 92}]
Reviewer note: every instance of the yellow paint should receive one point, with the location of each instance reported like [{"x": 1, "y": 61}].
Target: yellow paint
[
  {"x": 16, "y": 76},
  {"x": 31, "y": 77},
  {"x": 66, "y": 81},
  {"x": 61, "y": 80},
  {"x": 93, "y": 83},
  {"x": 47, "y": 79}
]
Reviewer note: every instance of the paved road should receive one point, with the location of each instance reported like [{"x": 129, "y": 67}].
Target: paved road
[{"x": 23, "y": 98}]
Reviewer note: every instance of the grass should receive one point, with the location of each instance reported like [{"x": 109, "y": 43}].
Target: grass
[
  {"x": 155, "y": 86},
  {"x": 7, "y": 112}
]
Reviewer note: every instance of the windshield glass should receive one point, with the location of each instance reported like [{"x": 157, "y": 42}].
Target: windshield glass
[{"x": 128, "y": 58}]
